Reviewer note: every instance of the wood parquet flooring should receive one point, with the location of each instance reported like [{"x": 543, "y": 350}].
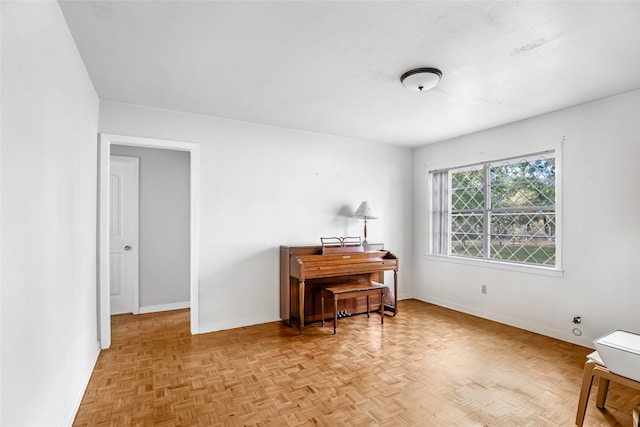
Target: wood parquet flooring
[{"x": 429, "y": 366}]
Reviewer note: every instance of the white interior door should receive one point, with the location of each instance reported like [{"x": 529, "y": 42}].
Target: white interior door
[{"x": 123, "y": 234}]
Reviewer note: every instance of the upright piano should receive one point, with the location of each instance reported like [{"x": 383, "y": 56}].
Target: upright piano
[{"x": 304, "y": 270}]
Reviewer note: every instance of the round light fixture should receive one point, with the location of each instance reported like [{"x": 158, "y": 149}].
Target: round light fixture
[{"x": 421, "y": 79}]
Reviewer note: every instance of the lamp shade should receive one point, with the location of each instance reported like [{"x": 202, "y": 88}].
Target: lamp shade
[{"x": 364, "y": 211}]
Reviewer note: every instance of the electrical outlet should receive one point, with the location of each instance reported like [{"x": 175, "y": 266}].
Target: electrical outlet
[{"x": 483, "y": 289}]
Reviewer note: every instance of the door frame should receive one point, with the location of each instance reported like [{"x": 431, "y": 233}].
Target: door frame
[{"x": 105, "y": 141}]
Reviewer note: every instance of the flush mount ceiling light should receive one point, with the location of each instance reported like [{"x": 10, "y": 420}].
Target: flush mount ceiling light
[{"x": 421, "y": 79}]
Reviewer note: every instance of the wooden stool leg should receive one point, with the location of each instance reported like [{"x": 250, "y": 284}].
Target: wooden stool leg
[
  {"x": 603, "y": 388},
  {"x": 587, "y": 379},
  {"x": 381, "y": 307}
]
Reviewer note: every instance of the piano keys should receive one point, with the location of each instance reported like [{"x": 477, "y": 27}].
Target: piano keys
[{"x": 304, "y": 270}]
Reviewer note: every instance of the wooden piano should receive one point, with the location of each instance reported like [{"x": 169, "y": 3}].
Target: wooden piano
[{"x": 305, "y": 270}]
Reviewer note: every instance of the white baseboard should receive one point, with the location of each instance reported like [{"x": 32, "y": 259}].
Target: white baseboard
[
  {"x": 235, "y": 323},
  {"x": 584, "y": 341},
  {"x": 70, "y": 416},
  {"x": 163, "y": 307}
]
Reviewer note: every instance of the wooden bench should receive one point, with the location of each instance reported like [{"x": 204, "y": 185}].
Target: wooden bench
[{"x": 352, "y": 290}]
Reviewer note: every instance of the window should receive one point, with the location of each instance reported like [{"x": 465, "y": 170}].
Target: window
[{"x": 503, "y": 211}]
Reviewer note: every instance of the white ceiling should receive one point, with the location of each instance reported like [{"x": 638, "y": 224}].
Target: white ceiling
[{"x": 334, "y": 66}]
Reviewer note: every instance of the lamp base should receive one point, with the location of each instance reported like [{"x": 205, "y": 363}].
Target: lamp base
[{"x": 364, "y": 242}]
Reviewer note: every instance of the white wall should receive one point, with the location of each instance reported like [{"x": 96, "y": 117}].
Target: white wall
[
  {"x": 163, "y": 228},
  {"x": 264, "y": 186},
  {"x": 601, "y": 231},
  {"x": 49, "y": 162}
]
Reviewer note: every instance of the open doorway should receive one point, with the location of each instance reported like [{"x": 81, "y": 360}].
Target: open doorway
[
  {"x": 107, "y": 142},
  {"x": 161, "y": 227}
]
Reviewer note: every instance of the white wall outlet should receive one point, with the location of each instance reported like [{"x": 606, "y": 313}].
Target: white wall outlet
[{"x": 483, "y": 289}]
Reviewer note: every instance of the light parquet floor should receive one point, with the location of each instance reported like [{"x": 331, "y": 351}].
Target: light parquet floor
[{"x": 428, "y": 366}]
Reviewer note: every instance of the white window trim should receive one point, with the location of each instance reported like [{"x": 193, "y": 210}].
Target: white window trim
[{"x": 556, "y": 270}]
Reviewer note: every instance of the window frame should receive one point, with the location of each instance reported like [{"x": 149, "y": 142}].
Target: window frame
[{"x": 555, "y": 270}]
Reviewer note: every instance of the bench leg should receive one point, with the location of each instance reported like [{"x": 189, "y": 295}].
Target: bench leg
[
  {"x": 367, "y": 306},
  {"x": 381, "y": 307},
  {"x": 322, "y": 304},
  {"x": 335, "y": 314}
]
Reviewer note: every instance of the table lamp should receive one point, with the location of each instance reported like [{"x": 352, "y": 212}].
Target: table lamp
[{"x": 364, "y": 212}]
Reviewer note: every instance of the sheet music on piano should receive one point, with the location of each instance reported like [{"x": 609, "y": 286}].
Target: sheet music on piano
[{"x": 334, "y": 245}]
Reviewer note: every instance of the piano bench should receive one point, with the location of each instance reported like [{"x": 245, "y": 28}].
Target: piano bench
[{"x": 351, "y": 290}]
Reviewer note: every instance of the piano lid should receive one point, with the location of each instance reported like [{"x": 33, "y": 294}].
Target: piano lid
[{"x": 341, "y": 264}]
